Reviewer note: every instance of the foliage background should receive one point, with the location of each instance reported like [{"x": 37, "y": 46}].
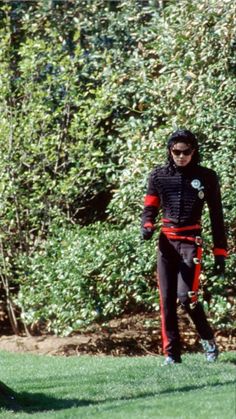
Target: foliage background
[{"x": 90, "y": 90}]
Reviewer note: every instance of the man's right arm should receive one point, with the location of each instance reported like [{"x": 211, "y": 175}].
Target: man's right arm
[{"x": 150, "y": 211}]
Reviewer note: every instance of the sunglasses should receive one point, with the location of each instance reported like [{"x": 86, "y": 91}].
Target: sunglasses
[{"x": 185, "y": 152}]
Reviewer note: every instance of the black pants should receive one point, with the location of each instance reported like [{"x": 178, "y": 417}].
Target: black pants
[{"x": 178, "y": 272}]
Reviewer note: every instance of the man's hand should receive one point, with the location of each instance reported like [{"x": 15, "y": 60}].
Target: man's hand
[
  {"x": 219, "y": 267},
  {"x": 147, "y": 232}
]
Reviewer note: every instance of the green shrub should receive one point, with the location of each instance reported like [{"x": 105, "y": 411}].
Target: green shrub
[
  {"x": 98, "y": 272},
  {"x": 86, "y": 274}
]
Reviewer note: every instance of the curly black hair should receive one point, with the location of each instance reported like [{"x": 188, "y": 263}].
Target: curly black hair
[{"x": 187, "y": 137}]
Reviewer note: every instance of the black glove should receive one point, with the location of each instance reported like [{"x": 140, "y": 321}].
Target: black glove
[
  {"x": 219, "y": 267},
  {"x": 147, "y": 232}
]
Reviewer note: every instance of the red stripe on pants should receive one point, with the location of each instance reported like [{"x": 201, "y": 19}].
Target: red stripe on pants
[
  {"x": 165, "y": 340},
  {"x": 197, "y": 273}
]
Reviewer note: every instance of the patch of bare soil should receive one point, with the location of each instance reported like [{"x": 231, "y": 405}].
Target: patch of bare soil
[{"x": 136, "y": 335}]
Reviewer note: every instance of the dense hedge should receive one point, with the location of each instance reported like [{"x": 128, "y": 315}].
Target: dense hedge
[
  {"x": 98, "y": 272},
  {"x": 86, "y": 274},
  {"x": 89, "y": 92}
]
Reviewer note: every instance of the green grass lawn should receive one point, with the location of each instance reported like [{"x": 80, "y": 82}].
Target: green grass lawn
[{"x": 132, "y": 388}]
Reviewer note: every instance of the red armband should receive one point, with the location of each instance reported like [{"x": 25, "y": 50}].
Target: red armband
[
  {"x": 151, "y": 200},
  {"x": 220, "y": 252}
]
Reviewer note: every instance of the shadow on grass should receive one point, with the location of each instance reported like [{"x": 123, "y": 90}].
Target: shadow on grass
[
  {"x": 229, "y": 361},
  {"x": 40, "y": 402}
]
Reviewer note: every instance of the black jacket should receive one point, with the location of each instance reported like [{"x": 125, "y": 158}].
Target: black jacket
[{"x": 181, "y": 194}]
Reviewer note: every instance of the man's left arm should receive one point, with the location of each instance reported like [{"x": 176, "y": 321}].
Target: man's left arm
[{"x": 217, "y": 224}]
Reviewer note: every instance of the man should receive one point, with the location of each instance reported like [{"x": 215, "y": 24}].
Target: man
[{"x": 180, "y": 189}]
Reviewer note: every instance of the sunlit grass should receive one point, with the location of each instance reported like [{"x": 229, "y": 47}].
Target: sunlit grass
[{"x": 125, "y": 387}]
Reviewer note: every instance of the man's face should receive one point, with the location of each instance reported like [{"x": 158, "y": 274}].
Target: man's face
[{"x": 181, "y": 154}]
